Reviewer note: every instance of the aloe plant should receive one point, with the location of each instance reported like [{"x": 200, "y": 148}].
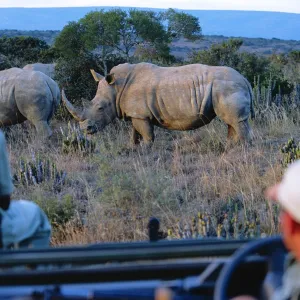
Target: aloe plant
[
  {"x": 75, "y": 141},
  {"x": 206, "y": 225},
  {"x": 290, "y": 152},
  {"x": 36, "y": 170}
]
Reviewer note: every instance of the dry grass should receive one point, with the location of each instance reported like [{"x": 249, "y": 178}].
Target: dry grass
[{"x": 109, "y": 195}]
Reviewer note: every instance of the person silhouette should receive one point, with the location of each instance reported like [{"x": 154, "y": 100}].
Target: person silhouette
[
  {"x": 6, "y": 184},
  {"x": 287, "y": 194},
  {"x": 23, "y": 223}
]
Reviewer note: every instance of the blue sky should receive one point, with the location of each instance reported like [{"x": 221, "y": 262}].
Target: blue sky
[{"x": 260, "y": 5}]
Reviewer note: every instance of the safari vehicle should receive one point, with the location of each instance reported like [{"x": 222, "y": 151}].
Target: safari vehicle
[{"x": 191, "y": 269}]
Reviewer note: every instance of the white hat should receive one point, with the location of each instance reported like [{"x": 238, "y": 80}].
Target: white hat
[{"x": 289, "y": 191}]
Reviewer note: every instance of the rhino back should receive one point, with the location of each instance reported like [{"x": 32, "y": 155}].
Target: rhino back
[
  {"x": 30, "y": 93},
  {"x": 48, "y": 69},
  {"x": 37, "y": 95},
  {"x": 173, "y": 94},
  {"x": 9, "y": 112}
]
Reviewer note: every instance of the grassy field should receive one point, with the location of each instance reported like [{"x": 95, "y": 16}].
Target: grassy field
[{"x": 186, "y": 180}]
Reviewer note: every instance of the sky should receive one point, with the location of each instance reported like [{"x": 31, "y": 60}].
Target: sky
[{"x": 292, "y": 6}]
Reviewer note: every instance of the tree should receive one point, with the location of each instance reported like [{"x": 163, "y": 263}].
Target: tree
[
  {"x": 69, "y": 42},
  {"x": 101, "y": 34},
  {"x": 251, "y": 65},
  {"x": 291, "y": 70},
  {"x": 276, "y": 69},
  {"x": 224, "y": 54},
  {"x": 294, "y": 56},
  {"x": 181, "y": 24},
  {"x": 151, "y": 45},
  {"x": 4, "y": 62},
  {"x": 128, "y": 34}
]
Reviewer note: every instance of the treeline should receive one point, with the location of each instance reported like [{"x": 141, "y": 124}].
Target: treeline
[
  {"x": 103, "y": 39},
  {"x": 45, "y": 35},
  {"x": 182, "y": 47},
  {"x": 260, "y": 46},
  {"x": 19, "y": 51}
]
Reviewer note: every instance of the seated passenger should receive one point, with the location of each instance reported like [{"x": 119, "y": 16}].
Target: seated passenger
[
  {"x": 287, "y": 195},
  {"x": 23, "y": 223}
]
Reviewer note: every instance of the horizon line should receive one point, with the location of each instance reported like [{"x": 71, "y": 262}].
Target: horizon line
[{"x": 139, "y": 7}]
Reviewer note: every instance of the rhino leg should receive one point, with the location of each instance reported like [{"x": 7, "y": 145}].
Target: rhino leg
[
  {"x": 234, "y": 110},
  {"x": 232, "y": 137},
  {"x": 42, "y": 128},
  {"x": 244, "y": 131},
  {"x": 239, "y": 132},
  {"x": 143, "y": 128},
  {"x": 135, "y": 137}
]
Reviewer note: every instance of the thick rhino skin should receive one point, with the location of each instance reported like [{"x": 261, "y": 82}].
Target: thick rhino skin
[
  {"x": 27, "y": 95},
  {"x": 176, "y": 98}
]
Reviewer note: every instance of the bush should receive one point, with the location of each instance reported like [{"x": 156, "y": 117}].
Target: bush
[
  {"x": 4, "y": 62},
  {"x": 75, "y": 141},
  {"x": 59, "y": 211},
  {"x": 24, "y": 50},
  {"x": 290, "y": 151},
  {"x": 37, "y": 170}
]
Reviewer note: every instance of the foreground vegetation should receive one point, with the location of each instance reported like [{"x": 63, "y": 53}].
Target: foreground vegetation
[{"x": 186, "y": 180}]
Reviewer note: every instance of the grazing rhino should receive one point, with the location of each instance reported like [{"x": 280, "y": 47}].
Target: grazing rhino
[
  {"x": 176, "y": 98},
  {"x": 28, "y": 95},
  {"x": 48, "y": 69}
]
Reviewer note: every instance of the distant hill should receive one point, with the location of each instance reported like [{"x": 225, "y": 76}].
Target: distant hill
[
  {"x": 264, "y": 47},
  {"x": 251, "y": 24},
  {"x": 181, "y": 48}
]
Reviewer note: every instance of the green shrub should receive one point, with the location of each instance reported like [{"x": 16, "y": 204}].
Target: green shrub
[
  {"x": 75, "y": 141},
  {"x": 59, "y": 211},
  {"x": 36, "y": 170},
  {"x": 290, "y": 151}
]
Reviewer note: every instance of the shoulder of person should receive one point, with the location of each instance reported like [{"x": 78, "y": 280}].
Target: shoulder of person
[
  {"x": 1, "y": 135},
  {"x": 289, "y": 261},
  {"x": 2, "y": 140},
  {"x": 290, "y": 288}
]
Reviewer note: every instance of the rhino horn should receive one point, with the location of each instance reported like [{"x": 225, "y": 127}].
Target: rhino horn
[
  {"x": 78, "y": 116},
  {"x": 96, "y": 75}
]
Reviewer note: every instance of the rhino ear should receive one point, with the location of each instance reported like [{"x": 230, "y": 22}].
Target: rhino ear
[
  {"x": 96, "y": 75},
  {"x": 110, "y": 78}
]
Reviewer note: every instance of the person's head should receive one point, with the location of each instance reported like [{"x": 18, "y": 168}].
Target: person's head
[{"x": 287, "y": 194}]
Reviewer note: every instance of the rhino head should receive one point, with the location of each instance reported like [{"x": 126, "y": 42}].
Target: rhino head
[{"x": 102, "y": 109}]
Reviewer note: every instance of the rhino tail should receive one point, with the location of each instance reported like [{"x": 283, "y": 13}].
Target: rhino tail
[
  {"x": 56, "y": 99},
  {"x": 252, "y": 111}
]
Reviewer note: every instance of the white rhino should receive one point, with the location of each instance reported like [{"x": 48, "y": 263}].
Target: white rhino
[
  {"x": 28, "y": 95},
  {"x": 48, "y": 69},
  {"x": 176, "y": 98}
]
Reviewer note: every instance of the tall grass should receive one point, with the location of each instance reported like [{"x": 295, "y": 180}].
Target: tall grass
[{"x": 186, "y": 180}]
